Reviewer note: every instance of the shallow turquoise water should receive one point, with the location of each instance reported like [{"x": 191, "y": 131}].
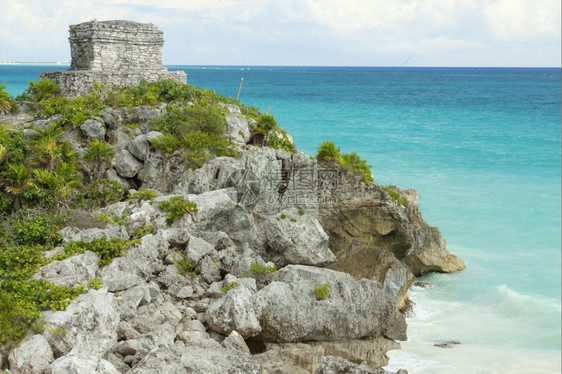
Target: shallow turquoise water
[{"x": 482, "y": 147}]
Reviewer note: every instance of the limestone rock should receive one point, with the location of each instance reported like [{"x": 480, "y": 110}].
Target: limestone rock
[
  {"x": 140, "y": 147},
  {"x": 81, "y": 364},
  {"x": 34, "y": 355},
  {"x": 290, "y": 311},
  {"x": 236, "y": 342},
  {"x": 197, "y": 359},
  {"x": 198, "y": 248},
  {"x": 126, "y": 164},
  {"x": 93, "y": 130},
  {"x": 237, "y": 125},
  {"x": 234, "y": 311},
  {"x": 88, "y": 325},
  {"x": 68, "y": 272},
  {"x": 338, "y": 365},
  {"x": 72, "y": 234},
  {"x": 291, "y": 238}
]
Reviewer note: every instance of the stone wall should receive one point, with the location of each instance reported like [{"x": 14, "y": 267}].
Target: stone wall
[
  {"x": 115, "y": 45},
  {"x": 117, "y": 53}
]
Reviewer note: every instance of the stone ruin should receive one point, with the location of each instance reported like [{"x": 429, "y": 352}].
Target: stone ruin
[{"x": 120, "y": 53}]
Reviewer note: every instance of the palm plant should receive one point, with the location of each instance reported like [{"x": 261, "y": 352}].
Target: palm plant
[
  {"x": 98, "y": 155},
  {"x": 328, "y": 151}
]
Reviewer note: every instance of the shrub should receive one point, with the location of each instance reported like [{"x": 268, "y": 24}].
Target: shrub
[
  {"x": 357, "y": 166},
  {"x": 228, "y": 287},
  {"x": 266, "y": 123},
  {"x": 177, "y": 207},
  {"x": 6, "y": 101},
  {"x": 322, "y": 292},
  {"x": 40, "y": 90},
  {"x": 184, "y": 265},
  {"x": 95, "y": 283},
  {"x": 146, "y": 195},
  {"x": 257, "y": 270},
  {"x": 328, "y": 151},
  {"x": 40, "y": 229},
  {"x": 395, "y": 196},
  {"x": 15, "y": 320},
  {"x": 98, "y": 155},
  {"x": 107, "y": 249},
  {"x": 301, "y": 212}
]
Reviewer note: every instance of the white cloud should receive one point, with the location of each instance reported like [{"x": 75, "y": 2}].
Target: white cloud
[{"x": 300, "y": 31}]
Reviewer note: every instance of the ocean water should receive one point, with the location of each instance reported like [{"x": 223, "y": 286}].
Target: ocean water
[{"x": 483, "y": 148}]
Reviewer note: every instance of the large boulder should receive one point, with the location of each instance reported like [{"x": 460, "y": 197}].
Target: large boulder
[
  {"x": 68, "y": 272},
  {"x": 294, "y": 238},
  {"x": 88, "y": 326},
  {"x": 81, "y": 364},
  {"x": 34, "y": 355},
  {"x": 196, "y": 359},
  {"x": 290, "y": 310},
  {"x": 234, "y": 312}
]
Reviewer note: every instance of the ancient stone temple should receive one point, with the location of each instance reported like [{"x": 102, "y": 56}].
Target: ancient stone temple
[{"x": 120, "y": 53}]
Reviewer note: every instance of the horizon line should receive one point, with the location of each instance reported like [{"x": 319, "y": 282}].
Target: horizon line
[{"x": 64, "y": 63}]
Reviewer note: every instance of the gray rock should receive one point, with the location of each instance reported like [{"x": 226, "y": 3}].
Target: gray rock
[
  {"x": 185, "y": 292},
  {"x": 129, "y": 300},
  {"x": 72, "y": 234},
  {"x": 197, "y": 249},
  {"x": 88, "y": 326},
  {"x": 238, "y": 225},
  {"x": 177, "y": 237},
  {"x": 140, "y": 147},
  {"x": 234, "y": 311},
  {"x": 68, "y": 272},
  {"x": 338, "y": 365},
  {"x": 93, "y": 130},
  {"x": 139, "y": 264},
  {"x": 272, "y": 363},
  {"x": 197, "y": 359},
  {"x": 208, "y": 270},
  {"x": 290, "y": 311},
  {"x": 235, "y": 342},
  {"x": 213, "y": 204},
  {"x": 237, "y": 125},
  {"x": 34, "y": 355},
  {"x": 126, "y": 164},
  {"x": 81, "y": 364},
  {"x": 296, "y": 239},
  {"x": 114, "y": 117}
]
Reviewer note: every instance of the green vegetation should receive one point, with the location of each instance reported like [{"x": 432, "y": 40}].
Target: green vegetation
[
  {"x": 257, "y": 270},
  {"x": 322, "y": 292},
  {"x": 98, "y": 156},
  {"x": 106, "y": 249},
  {"x": 395, "y": 196},
  {"x": 95, "y": 283},
  {"x": 184, "y": 265},
  {"x": 177, "y": 207},
  {"x": 327, "y": 151},
  {"x": 42, "y": 180},
  {"x": 293, "y": 220},
  {"x": 301, "y": 212},
  {"x": 228, "y": 287},
  {"x": 145, "y": 195},
  {"x": 6, "y": 101},
  {"x": 197, "y": 131}
]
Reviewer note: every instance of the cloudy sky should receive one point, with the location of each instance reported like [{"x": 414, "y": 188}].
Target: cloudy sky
[{"x": 304, "y": 32}]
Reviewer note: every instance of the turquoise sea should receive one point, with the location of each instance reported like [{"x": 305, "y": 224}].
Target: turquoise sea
[{"x": 483, "y": 148}]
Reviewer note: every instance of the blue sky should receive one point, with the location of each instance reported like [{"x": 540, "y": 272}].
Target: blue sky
[{"x": 304, "y": 32}]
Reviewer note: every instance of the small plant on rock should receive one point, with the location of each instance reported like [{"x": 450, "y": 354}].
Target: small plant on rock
[
  {"x": 257, "y": 270},
  {"x": 177, "y": 207},
  {"x": 95, "y": 283},
  {"x": 228, "y": 287},
  {"x": 184, "y": 265},
  {"x": 146, "y": 195},
  {"x": 322, "y": 292}
]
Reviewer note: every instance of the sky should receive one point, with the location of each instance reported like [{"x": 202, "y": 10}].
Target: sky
[{"x": 304, "y": 32}]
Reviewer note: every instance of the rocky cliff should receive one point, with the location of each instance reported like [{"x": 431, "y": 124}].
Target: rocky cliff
[{"x": 285, "y": 265}]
